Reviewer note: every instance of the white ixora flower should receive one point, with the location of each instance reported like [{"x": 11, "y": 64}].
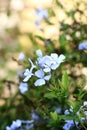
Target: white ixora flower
[
  {"x": 42, "y": 78},
  {"x": 23, "y": 87}
]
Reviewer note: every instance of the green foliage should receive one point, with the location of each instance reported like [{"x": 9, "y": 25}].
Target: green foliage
[{"x": 66, "y": 90}]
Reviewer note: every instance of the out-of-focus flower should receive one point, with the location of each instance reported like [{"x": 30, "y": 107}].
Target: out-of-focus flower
[
  {"x": 21, "y": 56},
  {"x": 23, "y": 87},
  {"x": 41, "y": 13},
  {"x": 35, "y": 116},
  {"x": 69, "y": 124},
  {"x": 29, "y": 124},
  {"x": 42, "y": 78},
  {"x": 39, "y": 53},
  {"x": 37, "y": 23},
  {"x": 85, "y": 103},
  {"x": 15, "y": 125},
  {"x": 82, "y": 46}
]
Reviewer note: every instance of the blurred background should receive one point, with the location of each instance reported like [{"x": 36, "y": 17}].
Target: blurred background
[{"x": 51, "y": 25}]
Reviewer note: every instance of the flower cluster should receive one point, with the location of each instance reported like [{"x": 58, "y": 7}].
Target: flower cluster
[
  {"x": 17, "y": 125},
  {"x": 45, "y": 64},
  {"x": 82, "y": 114}
]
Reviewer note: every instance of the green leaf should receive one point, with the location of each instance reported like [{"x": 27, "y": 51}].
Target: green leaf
[
  {"x": 40, "y": 38},
  {"x": 54, "y": 116},
  {"x": 50, "y": 95},
  {"x": 64, "y": 83},
  {"x": 62, "y": 40}
]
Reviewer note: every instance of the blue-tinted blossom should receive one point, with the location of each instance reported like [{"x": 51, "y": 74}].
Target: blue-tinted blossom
[
  {"x": 57, "y": 60},
  {"x": 42, "y": 78},
  {"x": 23, "y": 87},
  {"x": 67, "y": 112},
  {"x": 41, "y": 13},
  {"x": 82, "y": 46},
  {"x": 29, "y": 124},
  {"x": 28, "y": 73},
  {"x": 48, "y": 63},
  {"x": 15, "y": 125},
  {"x": 58, "y": 110},
  {"x": 37, "y": 23},
  {"x": 39, "y": 53},
  {"x": 35, "y": 116},
  {"x": 21, "y": 56},
  {"x": 82, "y": 111},
  {"x": 69, "y": 124}
]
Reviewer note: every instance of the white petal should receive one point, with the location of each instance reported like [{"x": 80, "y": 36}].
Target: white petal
[
  {"x": 26, "y": 72},
  {"x": 39, "y": 53},
  {"x": 32, "y": 65},
  {"x": 27, "y": 78},
  {"x": 39, "y": 82},
  {"x": 39, "y": 74},
  {"x": 47, "y": 77},
  {"x": 54, "y": 56},
  {"x": 54, "y": 66},
  {"x": 47, "y": 69},
  {"x": 61, "y": 58}
]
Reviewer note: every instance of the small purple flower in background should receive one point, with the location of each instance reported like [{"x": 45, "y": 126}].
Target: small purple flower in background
[
  {"x": 29, "y": 124},
  {"x": 23, "y": 87},
  {"x": 21, "y": 56},
  {"x": 82, "y": 46},
  {"x": 69, "y": 124},
  {"x": 35, "y": 116},
  {"x": 41, "y": 13},
  {"x": 15, "y": 125},
  {"x": 42, "y": 78},
  {"x": 37, "y": 23}
]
